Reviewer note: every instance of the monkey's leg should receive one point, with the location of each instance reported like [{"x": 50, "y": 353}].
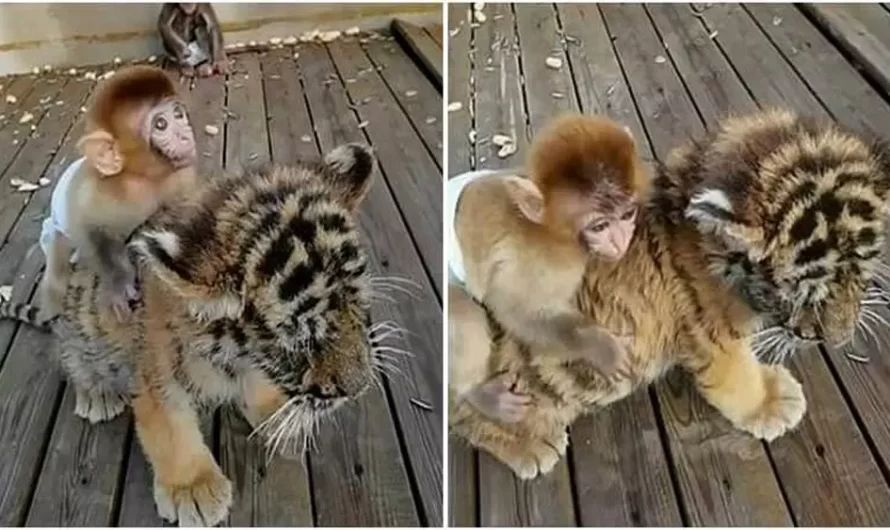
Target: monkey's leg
[
  {"x": 527, "y": 455},
  {"x": 764, "y": 400},
  {"x": 188, "y": 483}
]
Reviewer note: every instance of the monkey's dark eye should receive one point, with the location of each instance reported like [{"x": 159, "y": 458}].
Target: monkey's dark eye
[
  {"x": 599, "y": 226},
  {"x": 160, "y": 123},
  {"x": 178, "y": 113},
  {"x": 628, "y": 215}
]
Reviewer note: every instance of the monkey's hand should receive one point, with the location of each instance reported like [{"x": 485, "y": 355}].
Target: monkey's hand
[
  {"x": 496, "y": 399},
  {"x": 205, "y": 70},
  {"x": 121, "y": 290},
  {"x": 607, "y": 351},
  {"x": 221, "y": 66}
]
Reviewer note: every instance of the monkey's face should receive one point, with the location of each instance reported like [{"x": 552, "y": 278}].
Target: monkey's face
[
  {"x": 607, "y": 235},
  {"x": 188, "y": 9},
  {"x": 167, "y": 128}
]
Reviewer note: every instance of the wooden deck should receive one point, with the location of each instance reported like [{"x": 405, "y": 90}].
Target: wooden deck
[
  {"x": 380, "y": 462},
  {"x": 662, "y": 457}
]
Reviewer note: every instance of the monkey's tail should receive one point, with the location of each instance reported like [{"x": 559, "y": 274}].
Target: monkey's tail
[{"x": 26, "y": 314}]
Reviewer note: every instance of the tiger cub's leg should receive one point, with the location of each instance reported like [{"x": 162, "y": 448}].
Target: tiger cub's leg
[
  {"x": 762, "y": 399},
  {"x": 260, "y": 398},
  {"x": 527, "y": 454},
  {"x": 188, "y": 484},
  {"x": 100, "y": 381}
]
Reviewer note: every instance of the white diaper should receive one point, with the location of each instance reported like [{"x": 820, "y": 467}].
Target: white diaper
[
  {"x": 58, "y": 220},
  {"x": 453, "y": 188}
]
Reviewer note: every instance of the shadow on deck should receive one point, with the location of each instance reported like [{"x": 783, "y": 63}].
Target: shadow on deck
[
  {"x": 379, "y": 463},
  {"x": 662, "y": 457}
]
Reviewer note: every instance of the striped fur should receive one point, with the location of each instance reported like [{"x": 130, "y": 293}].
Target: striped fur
[
  {"x": 255, "y": 291},
  {"x": 24, "y": 313},
  {"x": 759, "y": 240}
]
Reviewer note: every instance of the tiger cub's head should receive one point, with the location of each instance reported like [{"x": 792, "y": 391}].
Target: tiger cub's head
[
  {"x": 797, "y": 211},
  {"x": 269, "y": 264}
]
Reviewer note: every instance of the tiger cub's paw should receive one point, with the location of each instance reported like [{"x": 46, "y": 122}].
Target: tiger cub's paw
[
  {"x": 781, "y": 410},
  {"x": 204, "y": 502},
  {"x": 97, "y": 405},
  {"x": 534, "y": 457}
]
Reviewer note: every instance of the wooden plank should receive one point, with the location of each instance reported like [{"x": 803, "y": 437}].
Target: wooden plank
[
  {"x": 39, "y": 103},
  {"x": 460, "y": 56},
  {"x": 360, "y": 476},
  {"x": 463, "y": 496},
  {"x": 29, "y": 390},
  {"x": 419, "y": 43},
  {"x": 499, "y": 101},
  {"x": 596, "y": 73},
  {"x": 18, "y": 87},
  {"x": 844, "y": 92},
  {"x": 864, "y": 32},
  {"x": 414, "y": 93},
  {"x": 463, "y": 501},
  {"x": 767, "y": 75},
  {"x": 435, "y": 32},
  {"x": 78, "y": 485},
  {"x": 632, "y": 485},
  {"x": 713, "y": 461},
  {"x": 804, "y": 479},
  {"x": 410, "y": 171}
]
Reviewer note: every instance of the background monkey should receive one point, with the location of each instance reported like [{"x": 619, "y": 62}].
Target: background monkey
[
  {"x": 192, "y": 39},
  {"x": 516, "y": 238},
  {"x": 139, "y": 151}
]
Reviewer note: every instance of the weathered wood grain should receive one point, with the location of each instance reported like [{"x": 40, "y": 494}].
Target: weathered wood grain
[
  {"x": 460, "y": 56},
  {"x": 435, "y": 32},
  {"x": 414, "y": 93},
  {"x": 863, "y": 30},
  {"x": 30, "y": 387},
  {"x": 423, "y": 46}
]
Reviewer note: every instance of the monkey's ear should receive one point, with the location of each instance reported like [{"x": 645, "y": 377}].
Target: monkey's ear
[
  {"x": 350, "y": 169},
  {"x": 100, "y": 150},
  {"x": 712, "y": 212},
  {"x": 527, "y": 197}
]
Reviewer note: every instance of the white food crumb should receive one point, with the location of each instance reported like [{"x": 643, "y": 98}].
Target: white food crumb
[
  {"x": 411, "y": 93},
  {"x": 212, "y": 130},
  {"x": 329, "y": 36},
  {"x": 28, "y": 187},
  {"x": 16, "y": 182},
  {"x": 11, "y": 99},
  {"x": 501, "y": 140},
  {"x": 6, "y": 292},
  {"x": 354, "y": 30},
  {"x": 306, "y": 138},
  {"x": 431, "y": 119},
  {"x": 507, "y": 150},
  {"x": 290, "y": 40},
  {"x": 43, "y": 181},
  {"x": 660, "y": 59},
  {"x": 479, "y": 16},
  {"x": 777, "y": 21},
  {"x": 26, "y": 117},
  {"x": 363, "y": 124},
  {"x": 117, "y": 60},
  {"x": 455, "y": 105},
  {"x": 275, "y": 41},
  {"x": 553, "y": 62}
]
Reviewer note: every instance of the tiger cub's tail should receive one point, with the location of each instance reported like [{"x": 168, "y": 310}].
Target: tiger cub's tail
[{"x": 26, "y": 314}]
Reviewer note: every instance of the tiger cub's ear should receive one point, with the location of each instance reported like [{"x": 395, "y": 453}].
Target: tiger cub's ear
[
  {"x": 350, "y": 169},
  {"x": 206, "y": 289},
  {"x": 712, "y": 212}
]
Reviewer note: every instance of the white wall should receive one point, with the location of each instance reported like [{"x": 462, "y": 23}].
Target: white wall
[{"x": 81, "y": 34}]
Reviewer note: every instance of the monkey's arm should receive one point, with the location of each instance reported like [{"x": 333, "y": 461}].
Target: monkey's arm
[
  {"x": 215, "y": 46},
  {"x": 175, "y": 43},
  {"x": 469, "y": 346}
]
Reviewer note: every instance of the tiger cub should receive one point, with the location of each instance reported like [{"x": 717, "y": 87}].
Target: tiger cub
[
  {"x": 255, "y": 292},
  {"x": 759, "y": 240}
]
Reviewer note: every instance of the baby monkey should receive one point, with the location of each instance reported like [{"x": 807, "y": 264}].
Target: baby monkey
[
  {"x": 522, "y": 246},
  {"x": 138, "y": 152},
  {"x": 192, "y": 39}
]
